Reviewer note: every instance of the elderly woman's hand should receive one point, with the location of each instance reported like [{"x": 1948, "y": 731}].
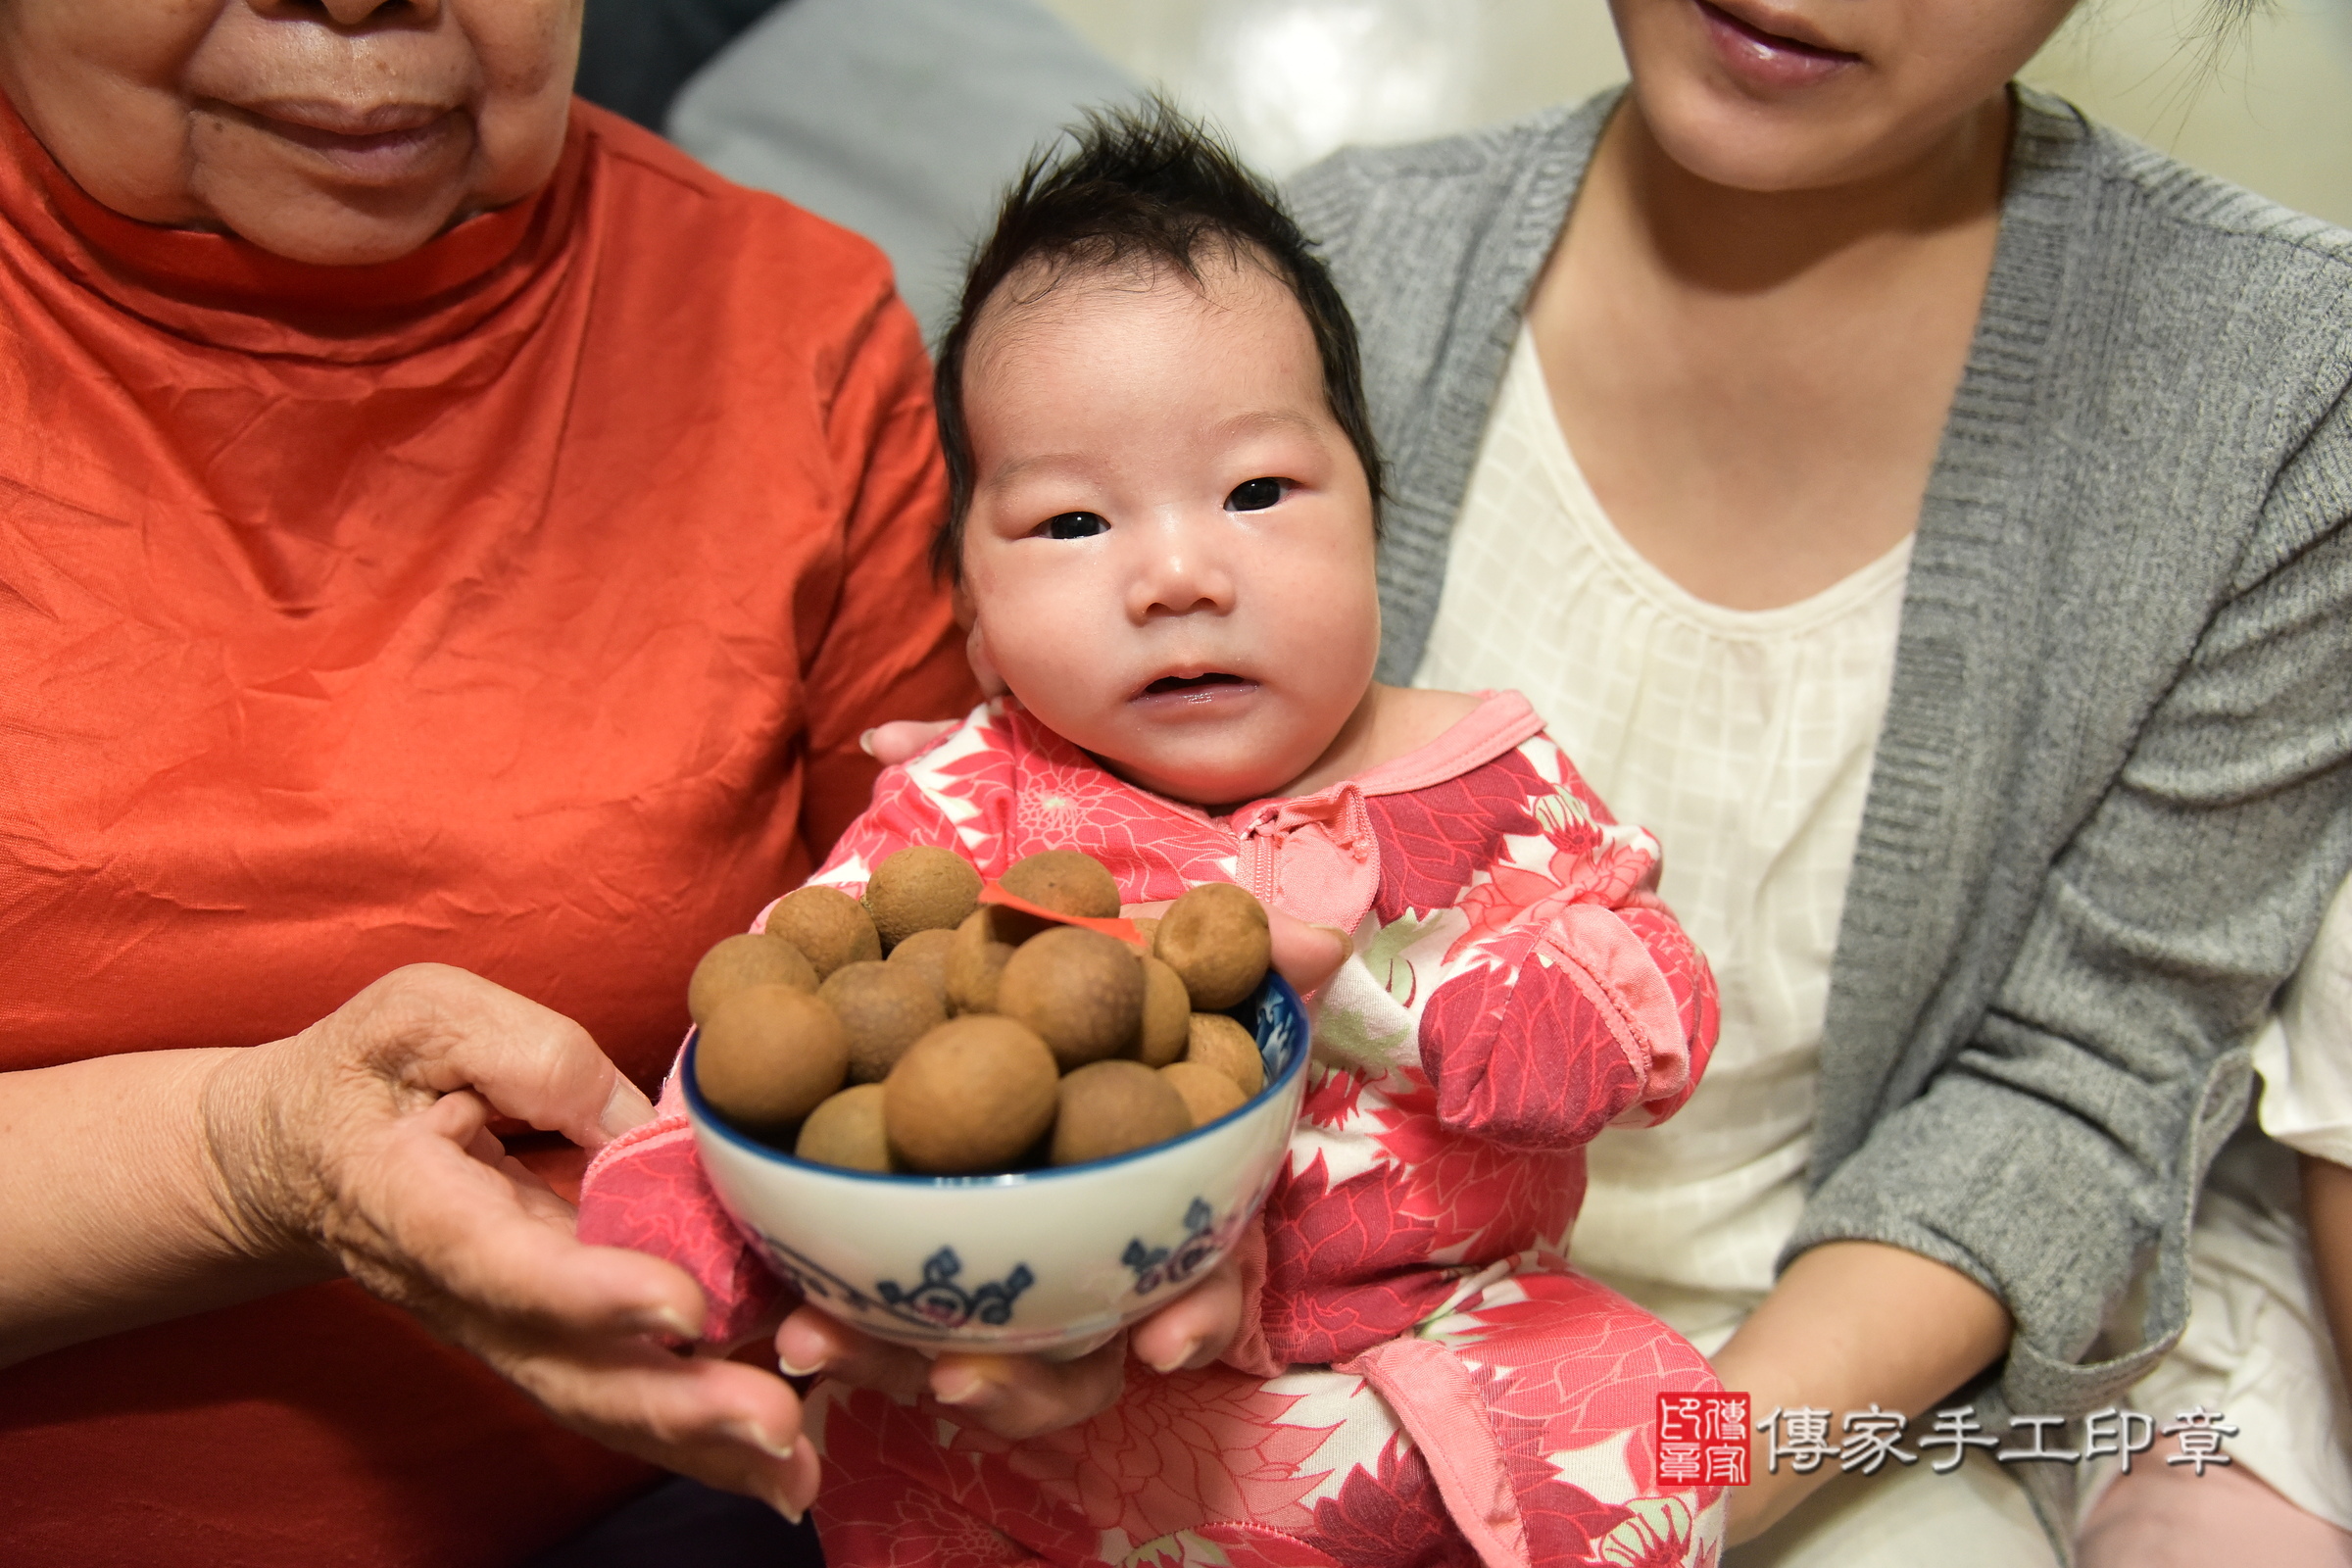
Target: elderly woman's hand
[
  {"x": 1019, "y": 1397},
  {"x": 365, "y": 1137}
]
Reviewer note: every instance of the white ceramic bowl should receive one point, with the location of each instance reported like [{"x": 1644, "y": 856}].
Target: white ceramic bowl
[{"x": 1042, "y": 1262}]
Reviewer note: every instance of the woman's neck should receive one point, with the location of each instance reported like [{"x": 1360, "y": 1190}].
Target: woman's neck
[
  {"x": 1755, "y": 383},
  {"x": 1719, "y": 238}
]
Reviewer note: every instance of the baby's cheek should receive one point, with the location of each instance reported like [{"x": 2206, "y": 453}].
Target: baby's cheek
[
  {"x": 1060, "y": 678},
  {"x": 1328, "y": 650}
]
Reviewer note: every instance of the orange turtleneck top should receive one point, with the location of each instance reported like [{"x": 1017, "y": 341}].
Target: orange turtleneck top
[{"x": 515, "y": 604}]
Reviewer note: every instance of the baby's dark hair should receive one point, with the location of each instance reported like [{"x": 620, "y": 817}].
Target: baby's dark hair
[{"x": 1145, "y": 188}]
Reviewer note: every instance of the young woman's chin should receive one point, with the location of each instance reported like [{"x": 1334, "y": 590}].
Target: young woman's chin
[{"x": 1761, "y": 148}]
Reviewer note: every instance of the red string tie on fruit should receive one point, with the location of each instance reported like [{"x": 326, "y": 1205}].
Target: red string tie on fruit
[
  {"x": 1314, "y": 859},
  {"x": 1117, "y": 925}
]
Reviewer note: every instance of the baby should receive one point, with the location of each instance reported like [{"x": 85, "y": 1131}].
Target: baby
[{"x": 1164, "y": 498}]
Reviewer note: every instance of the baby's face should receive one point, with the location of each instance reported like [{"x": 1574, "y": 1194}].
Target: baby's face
[{"x": 1170, "y": 545}]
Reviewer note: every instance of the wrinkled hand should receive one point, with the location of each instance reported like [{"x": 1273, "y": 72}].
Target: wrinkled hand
[
  {"x": 365, "y": 1137},
  {"x": 1019, "y": 1397}
]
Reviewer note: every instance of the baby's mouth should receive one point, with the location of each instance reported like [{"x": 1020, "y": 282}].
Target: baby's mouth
[
  {"x": 1200, "y": 688},
  {"x": 1187, "y": 683}
]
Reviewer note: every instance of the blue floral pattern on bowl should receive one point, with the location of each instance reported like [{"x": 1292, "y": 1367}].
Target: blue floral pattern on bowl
[
  {"x": 1156, "y": 1266},
  {"x": 934, "y": 1306},
  {"x": 941, "y": 1303}
]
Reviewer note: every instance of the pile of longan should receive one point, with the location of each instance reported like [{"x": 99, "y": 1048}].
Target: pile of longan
[{"x": 922, "y": 1030}]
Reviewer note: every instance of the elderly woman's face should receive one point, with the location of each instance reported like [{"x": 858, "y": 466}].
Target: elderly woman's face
[{"x": 340, "y": 132}]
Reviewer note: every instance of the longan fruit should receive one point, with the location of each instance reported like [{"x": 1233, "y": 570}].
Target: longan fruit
[
  {"x": 1208, "y": 1093},
  {"x": 1168, "y": 1015},
  {"x": 975, "y": 959},
  {"x": 1066, "y": 881},
  {"x": 970, "y": 1096},
  {"x": 1216, "y": 1041},
  {"x": 738, "y": 962},
  {"x": 847, "y": 1131},
  {"x": 768, "y": 1055},
  {"x": 920, "y": 889},
  {"x": 926, "y": 953},
  {"x": 1110, "y": 1107},
  {"x": 883, "y": 1010},
  {"x": 827, "y": 925},
  {"x": 1217, "y": 938},
  {"x": 1082, "y": 991}
]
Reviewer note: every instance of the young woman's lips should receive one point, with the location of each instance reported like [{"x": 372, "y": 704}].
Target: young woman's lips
[
  {"x": 1766, "y": 59},
  {"x": 380, "y": 145}
]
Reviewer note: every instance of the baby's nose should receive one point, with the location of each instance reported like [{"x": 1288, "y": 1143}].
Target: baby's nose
[{"x": 1184, "y": 571}]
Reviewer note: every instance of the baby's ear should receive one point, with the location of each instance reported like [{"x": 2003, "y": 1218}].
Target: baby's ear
[{"x": 984, "y": 668}]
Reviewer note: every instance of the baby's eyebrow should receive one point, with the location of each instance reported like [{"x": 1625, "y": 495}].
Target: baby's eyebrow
[
  {"x": 1086, "y": 464},
  {"x": 1075, "y": 465},
  {"x": 1256, "y": 420}
]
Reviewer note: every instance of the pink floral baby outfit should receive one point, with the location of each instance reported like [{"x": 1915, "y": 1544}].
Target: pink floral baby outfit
[{"x": 1421, "y": 1379}]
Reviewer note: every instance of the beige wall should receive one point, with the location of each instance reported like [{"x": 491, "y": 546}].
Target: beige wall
[
  {"x": 1293, "y": 78},
  {"x": 2272, "y": 109}
]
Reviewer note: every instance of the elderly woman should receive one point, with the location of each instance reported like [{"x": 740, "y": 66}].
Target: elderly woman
[
  {"x": 1929, "y": 512},
  {"x": 437, "y": 522}
]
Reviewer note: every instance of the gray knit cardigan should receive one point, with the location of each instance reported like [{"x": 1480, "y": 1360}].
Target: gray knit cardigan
[{"x": 2112, "y": 792}]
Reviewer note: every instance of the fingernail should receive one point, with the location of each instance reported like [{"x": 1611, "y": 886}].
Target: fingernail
[
  {"x": 748, "y": 1431},
  {"x": 1346, "y": 942},
  {"x": 962, "y": 1388},
  {"x": 865, "y": 744},
  {"x": 624, "y": 1108},
  {"x": 793, "y": 1369},
  {"x": 666, "y": 1320},
  {"x": 1178, "y": 1361},
  {"x": 783, "y": 1505}
]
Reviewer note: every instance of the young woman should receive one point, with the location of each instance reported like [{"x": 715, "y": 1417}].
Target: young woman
[{"x": 1928, "y": 510}]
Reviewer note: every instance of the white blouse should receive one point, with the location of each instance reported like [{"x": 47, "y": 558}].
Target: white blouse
[
  {"x": 2257, "y": 1348},
  {"x": 1742, "y": 739}
]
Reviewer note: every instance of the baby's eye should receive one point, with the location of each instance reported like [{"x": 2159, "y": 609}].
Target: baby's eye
[
  {"x": 1074, "y": 525},
  {"x": 1257, "y": 495}
]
